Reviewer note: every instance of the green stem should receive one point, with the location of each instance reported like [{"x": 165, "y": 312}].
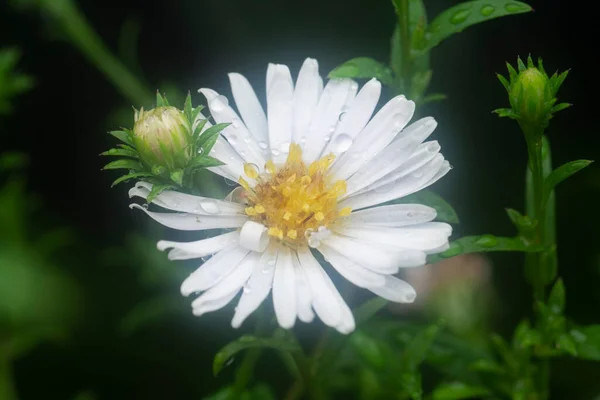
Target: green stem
[
  {"x": 402, "y": 12},
  {"x": 81, "y": 34},
  {"x": 245, "y": 371},
  {"x": 7, "y": 388},
  {"x": 537, "y": 171}
]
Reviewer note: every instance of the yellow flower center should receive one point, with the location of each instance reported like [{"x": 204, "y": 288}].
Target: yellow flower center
[{"x": 294, "y": 200}]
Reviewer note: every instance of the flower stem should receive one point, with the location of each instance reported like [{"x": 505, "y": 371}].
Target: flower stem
[
  {"x": 403, "y": 21},
  {"x": 84, "y": 38}
]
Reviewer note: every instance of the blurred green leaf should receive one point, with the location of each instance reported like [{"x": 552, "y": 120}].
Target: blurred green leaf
[
  {"x": 120, "y": 153},
  {"x": 13, "y": 161},
  {"x": 124, "y": 164},
  {"x": 158, "y": 189},
  {"x": 463, "y": 15},
  {"x": 123, "y": 136},
  {"x": 368, "y": 309},
  {"x": 587, "y": 341},
  {"x": 444, "y": 210},
  {"x": 483, "y": 243},
  {"x": 566, "y": 343},
  {"x": 556, "y": 301},
  {"x": 11, "y": 82},
  {"x": 458, "y": 391},
  {"x": 410, "y": 381},
  {"x": 208, "y": 138},
  {"x": 151, "y": 310},
  {"x": 368, "y": 348},
  {"x": 248, "y": 342},
  {"x": 417, "y": 349},
  {"x": 561, "y": 173},
  {"x": 134, "y": 175},
  {"x": 363, "y": 67},
  {"x": 201, "y": 161}
]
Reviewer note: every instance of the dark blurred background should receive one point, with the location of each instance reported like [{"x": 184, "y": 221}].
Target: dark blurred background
[{"x": 62, "y": 125}]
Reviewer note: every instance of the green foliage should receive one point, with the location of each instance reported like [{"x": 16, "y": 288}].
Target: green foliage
[
  {"x": 484, "y": 243},
  {"x": 561, "y": 173},
  {"x": 363, "y": 67},
  {"x": 12, "y": 83},
  {"x": 458, "y": 390},
  {"x": 444, "y": 210}
]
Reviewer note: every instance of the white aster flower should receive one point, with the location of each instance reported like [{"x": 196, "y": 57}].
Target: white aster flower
[{"x": 310, "y": 169}]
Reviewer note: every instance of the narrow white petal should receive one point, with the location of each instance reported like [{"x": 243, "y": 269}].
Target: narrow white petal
[
  {"x": 325, "y": 298},
  {"x": 234, "y": 164},
  {"x": 346, "y": 324},
  {"x": 423, "y": 237},
  {"x": 357, "y": 274},
  {"x": 394, "y": 190},
  {"x": 187, "y": 203},
  {"x": 231, "y": 283},
  {"x": 191, "y": 222},
  {"x": 355, "y": 118},
  {"x": 236, "y": 134},
  {"x": 378, "y": 133},
  {"x": 280, "y": 92},
  {"x": 444, "y": 169},
  {"x": 395, "y": 154},
  {"x": 303, "y": 292},
  {"x": 199, "y": 248},
  {"x": 214, "y": 305},
  {"x": 284, "y": 289},
  {"x": 306, "y": 96},
  {"x": 377, "y": 257},
  {"x": 249, "y": 107},
  {"x": 212, "y": 271},
  {"x": 326, "y": 118},
  {"x": 395, "y": 290},
  {"x": 423, "y": 155},
  {"x": 258, "y": 286},
  {"x": 394, "y": 215}
]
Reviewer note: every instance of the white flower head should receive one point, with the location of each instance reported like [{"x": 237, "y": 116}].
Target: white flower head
[{"x": 311, "y": 171}]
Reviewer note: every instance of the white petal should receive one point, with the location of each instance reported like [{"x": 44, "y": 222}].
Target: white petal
[
  {"x": 258, "y": 286},
  {"x": 378, "y": 133},
  {"x": 254, "y": 236},
  {"x": 188, "y": 203},
  {"x": 325, "y": 298},
  {"x": 303, "y": 293},
  {"x": 284, "y": 289},
  {"x": 326, "y": 118},
  {"x": 346, "y": 324},
  {"x": 199, "y": 248},
  {"x": 236, "y": 134},
  {"x": 306, "y": 96},
  {"x": 444, "y": 169},
  {"x": 214, "y": 305},
  {"x": 396, "y": 189},
  {"x": 234, "y": 164},
  {"x": 211, "y": 272},
  {"x": 280, "y": 91},
  {"x": 395, "y": 290},
  {"x": 423, "y": 237},
  {"x": 393, "y": 215},
  {"x": 191, "y": 222},
  {"x": 249, "y": 107},
  {"x": 358, "y": 275},
  {"x": 377, "y": 257},
  {"x": 355, "y": 118},
  {"x": 394, "y": 155},
  {"x": 232, "y": 283},
  {"x": 423, "y": 154}
]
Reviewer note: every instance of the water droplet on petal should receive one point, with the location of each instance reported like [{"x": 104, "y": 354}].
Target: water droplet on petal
[
  {"x": 218, "y": 103},
  {"x": 410, "y": 297},
  {"x": 303, "y": 140},
  {"x": 275, "y": 152},
  {"x": 247, "y": 289},
  {"x": 342, "y": 143},
  {"x": 486, "y": 11},
  {"x": 232, "y": 139},
  {"x": 327, "y": 138},
  {"x": 263, "y": 145},
  {"x": 210, "y": 206},
  {"x": 313, "y": 242},
  {"x": 343, "y": 116},
  {"x": 236, "y": 123},
  {"x": 460, "y": 16},
  {"x": 271, "y": 261}
]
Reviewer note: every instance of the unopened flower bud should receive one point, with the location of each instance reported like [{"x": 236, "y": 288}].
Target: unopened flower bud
[
  {"x": 531, "y": 96},
  {"x": 162, "y": 136}
]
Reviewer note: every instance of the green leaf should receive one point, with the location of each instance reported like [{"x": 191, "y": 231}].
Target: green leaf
[
  {"x": 177, "y": 176},
  {"x": 487, "y": 366},
  {"x": 124, "y": 164},
  {"x": 566, "y": 343},
  {"x": 556, "y": 300},
  {"x": 150, "y": 311},
  {"x": 134, "y": 175},
  {"x": 483, "y": 243},
  {"x": 444, "y": 210},
  {"x": 556, "y": 81},
  {"x": 199, "y": 128},
  {"x": 249, "y": 342},
  {"x": 368, "y": 309},
  {"x": 158, "y": 189},
  {"x": 561, "y": 173},
  {"x": 161, "y": 101},
  {"x": 457, "y": 18},
  {"x": 417, "y": 23},
  {"x": 120, "y": 153},
  {"x": 363, "y": 67},
  {"x": 123, "y": 136},
  {"x": 504, "y": 82},
  {"x": 367, "y": 348},
  {"x": 525, "y": 336},
  {"x": 201, "y": 161},
  {"x": 512, "y": 73},
  {"x": 506, "y": 113},
  {"x": 430, "y": 98},
  {"x": 458, "y": 390},
  {"x": 521, "y": 65},
  {"x": 416, "y": 350},
  {"x": 13, "y": 161},
  {"x": 587, "y": 341},
  {"x": 209, "y": 137},
  {"x": 187, "y": 108},
  {"x": 524, "y": 224},
  {"x": 196, "y": 113},
  {"x": 560, "y": 107},
  {"x": 410, "y": 381}
]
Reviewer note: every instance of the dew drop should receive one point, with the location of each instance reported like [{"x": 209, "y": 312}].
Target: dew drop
[
  {"x": 343, "y": 116},
  {"x": 242, "y": 153},
  {"x": 266, "y": 269},
  {"x": 486, "y": 11},
  {"x": 487, "y": 241},
  {"x": 513, "y": 7},
  {"x": 236, "y": 123},
  {"x": 327, "y": 138},
  {"x": 210, "y": 206},
  {"x": 454, "y": 250},
  {"x": 303, "y": 140},
  {"x": 342, "y": 143},
  {"x": 271, "y": 262},
  {"x": 410, "y": 297},
  {"x": 229, "y": 362},
  {"x": 232, "y": 139},
  {"x": 247, "y": 289},
  {"x": 219, "y": 103},
  {"x": 263, "y": 145},
  {"x": 229, "y": 182},
  {"x": 460, "y": 16},
  {"x": 313, "y": 242},
  {"x": 275, "y": 152}
]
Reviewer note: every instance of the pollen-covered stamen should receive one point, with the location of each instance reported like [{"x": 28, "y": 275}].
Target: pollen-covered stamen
[{"x": 294, "y": 200}]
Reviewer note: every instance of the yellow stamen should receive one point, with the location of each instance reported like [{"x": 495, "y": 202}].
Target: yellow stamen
[
  {"x": 270, "y": 167},
  {"x": 274, "y": 231},
  {"x": 287, "y": 215},
  {"x": 319, "y": 216},
  {"x": 244, "y": 183},
  {"x": 250, "y": 171},
  {"x": 344, "y": 212},
  {"x": 250, "y": 211},
  {"x": 259, "y": 209},
  {"x": 292, "y": 234}
]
